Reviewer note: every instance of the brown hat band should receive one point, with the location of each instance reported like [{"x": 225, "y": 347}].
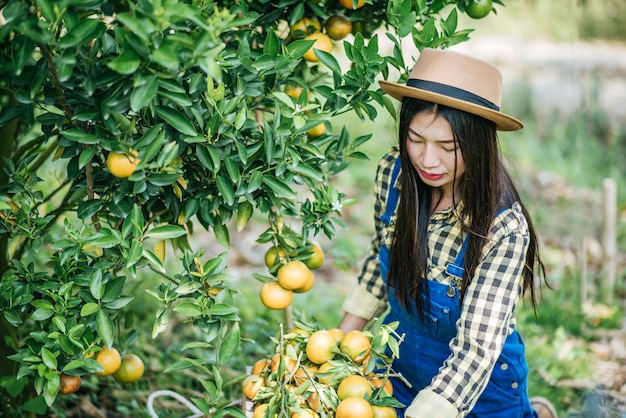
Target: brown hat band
[{"x": 453, "y": 92}]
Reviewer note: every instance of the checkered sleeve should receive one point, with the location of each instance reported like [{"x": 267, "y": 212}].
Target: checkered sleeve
[
  {"x": 367, "y": 299},
  {"x": 487, "y": 314}
]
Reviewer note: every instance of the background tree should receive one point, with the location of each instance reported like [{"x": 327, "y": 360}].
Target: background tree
[{"x": 152, "y": 114}]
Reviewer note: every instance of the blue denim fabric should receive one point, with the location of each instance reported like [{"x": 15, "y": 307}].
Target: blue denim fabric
[{"x": 425, "y": 346}]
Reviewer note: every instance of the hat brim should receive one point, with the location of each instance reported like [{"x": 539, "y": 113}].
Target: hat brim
[{"x": 503, "y": 121}]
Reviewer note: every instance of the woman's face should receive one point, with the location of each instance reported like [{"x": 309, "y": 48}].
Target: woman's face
[{"x": 434, "y": 153}]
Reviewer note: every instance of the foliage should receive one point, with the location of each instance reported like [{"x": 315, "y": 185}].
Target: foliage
[{"x": 197, "y": 90}]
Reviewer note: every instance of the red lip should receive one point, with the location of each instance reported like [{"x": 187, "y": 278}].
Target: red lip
[{"x": 430, "y": 176}]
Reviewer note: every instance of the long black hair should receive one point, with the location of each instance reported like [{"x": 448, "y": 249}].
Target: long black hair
[{"x": 484, "y": 188}]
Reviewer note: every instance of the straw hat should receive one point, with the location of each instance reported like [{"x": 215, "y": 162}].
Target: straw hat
[{"x": 459, "y": 81}]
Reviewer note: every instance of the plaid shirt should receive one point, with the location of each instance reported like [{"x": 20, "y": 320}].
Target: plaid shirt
[{"x": 487, "y": 315}]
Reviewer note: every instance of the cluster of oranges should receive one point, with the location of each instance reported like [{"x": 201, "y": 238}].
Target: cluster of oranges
[
  {"x": 335, "y": 28},
  {"x": 321, "y": 373},
  {"x": 292, "y": 275},
  {"x": 125, "y": 369}
]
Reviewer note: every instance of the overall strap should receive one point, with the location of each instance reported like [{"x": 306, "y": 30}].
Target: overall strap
[{"x": 392, "y": 195}]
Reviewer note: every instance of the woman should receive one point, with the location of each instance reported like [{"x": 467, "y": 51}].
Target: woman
[{"x": 454, "y": 249}]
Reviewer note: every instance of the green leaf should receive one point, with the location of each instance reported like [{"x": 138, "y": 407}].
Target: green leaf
[
  {"x": 166, "y": 232},
  {"x": 80, "y": 136},
  {"x": 161, "y": 322},
  {"x": 328, "y": 60},
  {"x": 144, "y": 91},
  {"x": 229, "y": 346},
  {"x": 96, "y": 286},
  {"x": 271, "y": 46},
  {"x": 224, "y": 185},
  {"x": 86, "y": 156},
  {"x": 48, "y": 358},
  {"x": 177, "y": 120},
  {"x": 221, "y": 235},
  {"x": 89, "y": 308},
  {"x": 80, "y": 33},
  {"x": 126, "y": 63},
  {"x": 104, "y": 326},
  {"x": 278, "y": 187},
  {"x": 188, "y": 309}
]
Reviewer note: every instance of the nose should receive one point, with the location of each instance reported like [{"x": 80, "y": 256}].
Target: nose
[{"x": 430, "y": 156}]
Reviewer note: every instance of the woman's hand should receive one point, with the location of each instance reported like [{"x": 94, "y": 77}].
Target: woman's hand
[{"x": 351, "y": 322}]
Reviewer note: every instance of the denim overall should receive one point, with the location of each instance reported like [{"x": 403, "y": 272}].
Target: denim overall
[{"x": 425, "y": 346}]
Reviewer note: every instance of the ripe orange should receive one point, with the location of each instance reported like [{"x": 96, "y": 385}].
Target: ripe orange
[
  {"x": 316, "y": 259},
  {"x": 354, "y": 407},
  {"x": 478, "y": 9},
  {"x": 259, "y": 411},
  {"x": 274, "y": 296},
  {"x": 378, "y": 382},
  {"x": 275, "y": 255},
  {"x": 261, "y": 366},
  {"x": 355, "y": 385},
  {"x": 316, "y": 131},
  {"x": 304, "y": 27},
  {"x": 348, "y": 4},
  {"x": 293, "y": 274},
  {"x": 305, "y": 413},
  {"x": 290, "y": 364},
  {"x": 110, "y": 359},
  {"x": 338, "y": 27},
  {"x": 324, "y": 368},
  {"x": 322, "y": 43},
  {"x": 251, "y": 385},
  {"x": 356, "y": 345},
  {"x": 69, "y": 384},
  {"x": 121, "y": 165},
  {"x": 384, "y": 411},
  {"x": 319, "y": 348},
  {"x": 337, "y": 333},
  {"x": 303, "y": 373},
  {"x": 130, "y": 370},
  {"x": 307, "y": 286}
]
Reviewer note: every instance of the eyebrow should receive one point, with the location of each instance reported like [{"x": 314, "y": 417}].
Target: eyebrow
[{"x": 445, "y": 141}]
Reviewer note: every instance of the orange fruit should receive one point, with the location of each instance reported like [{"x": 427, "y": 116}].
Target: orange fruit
[
  {"x": 251, "y": 385},
  {"x": 130, "y": 370},
  {"x": 293, "y": 274},
  {"x": 338, "y": 333},
  {"x": 355, "y": 385},
  {"x": 378, "y": 382},
  {"x": 122, "y": 165},
  {"x": 305, "y": 413},
  {"x": 316, "y": 259},
  {"x": 69, "y": 384},
  {"x": 261, "y": 366},
  {"x": 348, "y": 4},
  {"x": 322, "y": 43},
  {"x": 110, "y": 359},
  {"x": 319, "y": 348},
  {"x": 316, "y": 131},
  {"x": 303, "y": 373},
  {"x": 275, "y": 255},
  {"x": 325, "y": 367},
  {"x": 304, "y": 27},
  {"x": 338, "y": 27},
  {"x": 313, "y": 401},
  {"x": 290, "y": 364},
  {"x": 384, "y": 411},
  {"x": 259, "y": 411},
  {"x": 355, "y": 345},
  {"x": 478, "y": 9},
  {"x": 274, "y": 296},
  {"x": 307, "y": 286},
  {"x": 354, "y": 407}
]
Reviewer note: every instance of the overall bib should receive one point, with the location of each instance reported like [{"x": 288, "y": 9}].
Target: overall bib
[{"x": 425, "y": 346}]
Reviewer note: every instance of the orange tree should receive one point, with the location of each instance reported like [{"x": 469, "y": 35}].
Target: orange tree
[{"x": 124, "y": 123}]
